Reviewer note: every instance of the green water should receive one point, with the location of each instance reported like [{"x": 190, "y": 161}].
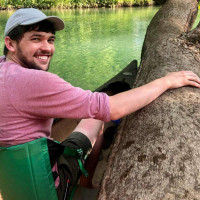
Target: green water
[{"x": 96, "y": 43}]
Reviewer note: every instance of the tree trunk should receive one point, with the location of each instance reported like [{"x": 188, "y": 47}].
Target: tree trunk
[{"x": 156, "y": 153}]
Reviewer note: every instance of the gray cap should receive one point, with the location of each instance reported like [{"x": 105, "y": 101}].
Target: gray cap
[{"x": 28, "y": 16}]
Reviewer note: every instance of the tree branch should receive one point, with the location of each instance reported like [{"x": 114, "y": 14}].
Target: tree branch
[{"x": 174, "y": 18}]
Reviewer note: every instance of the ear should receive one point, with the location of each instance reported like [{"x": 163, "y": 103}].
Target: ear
[{"x": 10, "y": 44}]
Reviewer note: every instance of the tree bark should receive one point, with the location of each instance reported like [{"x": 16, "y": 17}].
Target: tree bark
[{"x": 156, "y": 153}]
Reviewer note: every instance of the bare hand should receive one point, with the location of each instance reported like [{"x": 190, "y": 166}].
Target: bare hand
[{"x": 182, "y": 78}]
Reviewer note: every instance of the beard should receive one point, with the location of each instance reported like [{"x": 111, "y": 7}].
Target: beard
[{"x": 26, "y": 63}]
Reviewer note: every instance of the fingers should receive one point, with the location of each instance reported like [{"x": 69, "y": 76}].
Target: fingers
[
  {"x": 183, "y": 78},
  {"x": 195, "y": 84},
  {"x": 192, "y": 79}
]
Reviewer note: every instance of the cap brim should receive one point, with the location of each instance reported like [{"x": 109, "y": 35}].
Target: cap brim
[{"x": 57, "y": 22}]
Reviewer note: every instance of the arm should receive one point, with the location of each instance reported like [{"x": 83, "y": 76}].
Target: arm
[{"x": 130, "y": 101}]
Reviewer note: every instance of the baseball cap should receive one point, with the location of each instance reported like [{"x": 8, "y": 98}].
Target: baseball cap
[{"x": 28, "y": 16}]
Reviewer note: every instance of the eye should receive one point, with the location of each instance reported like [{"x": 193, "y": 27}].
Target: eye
[
  {"x": 35, "y": 39},
  {"x": 51, "y": 40}
]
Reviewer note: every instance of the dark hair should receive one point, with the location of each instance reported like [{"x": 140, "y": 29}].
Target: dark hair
[{"x": 18, "y": 32}]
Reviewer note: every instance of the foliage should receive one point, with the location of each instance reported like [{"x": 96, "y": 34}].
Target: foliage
[
  {"x": 10, "y": 4},
  {"x": 159, "y": 2},
  {"x": 7, "y": 4}
]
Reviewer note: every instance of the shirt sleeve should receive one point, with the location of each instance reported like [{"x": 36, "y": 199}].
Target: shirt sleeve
[{"x": 40, "y": 94}]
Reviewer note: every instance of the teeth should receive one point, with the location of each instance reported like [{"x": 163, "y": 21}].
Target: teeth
[{"x": 43, "y": 57}]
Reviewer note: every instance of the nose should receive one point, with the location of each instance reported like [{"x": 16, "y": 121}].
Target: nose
[{"x": 45, "y": 46}]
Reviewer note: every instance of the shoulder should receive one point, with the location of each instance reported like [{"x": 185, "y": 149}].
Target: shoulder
[
  {"x": 15, "y": 72},
  {"x": 2, "y": 59},
  {"x": 19, "y": 77}
]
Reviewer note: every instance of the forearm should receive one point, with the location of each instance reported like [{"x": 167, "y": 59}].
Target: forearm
[
  {"x": 130, "y": 101},
  {"x": 127, "y": 102}
]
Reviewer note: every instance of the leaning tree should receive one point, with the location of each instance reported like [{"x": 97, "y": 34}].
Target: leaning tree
[{"x": 156, "y": 153}]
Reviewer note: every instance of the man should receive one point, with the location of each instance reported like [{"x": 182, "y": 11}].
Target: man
[{"x": 30, "y": 97}]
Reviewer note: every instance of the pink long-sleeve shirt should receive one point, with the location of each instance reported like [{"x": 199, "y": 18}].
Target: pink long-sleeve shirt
[{"x": 30, "y": 99}]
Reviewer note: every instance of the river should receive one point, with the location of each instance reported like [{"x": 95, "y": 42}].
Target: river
[{"x": 96, "y": 43}]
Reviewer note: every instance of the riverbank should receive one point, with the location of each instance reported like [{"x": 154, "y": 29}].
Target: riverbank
[
  {"x": 71, "y": 4},
  {"x": 68, "y": 4}
]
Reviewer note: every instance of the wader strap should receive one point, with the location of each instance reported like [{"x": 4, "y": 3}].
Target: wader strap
[{"x": 78, "y": 153}]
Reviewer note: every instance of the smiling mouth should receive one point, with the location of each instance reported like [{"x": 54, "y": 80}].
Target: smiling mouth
[{"x": 43, "y": 58}]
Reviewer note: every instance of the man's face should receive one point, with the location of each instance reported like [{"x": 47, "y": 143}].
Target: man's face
[{"x": 35, "y": 50}]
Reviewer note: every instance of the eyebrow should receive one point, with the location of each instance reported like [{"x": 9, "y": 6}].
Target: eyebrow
[{"x": 39, "y": 35}]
